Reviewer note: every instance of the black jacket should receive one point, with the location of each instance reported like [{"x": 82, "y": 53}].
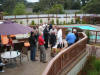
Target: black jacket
[{"x": 32, "y": 41}]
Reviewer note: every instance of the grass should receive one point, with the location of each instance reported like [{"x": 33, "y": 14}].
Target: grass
[{"x": 92, "y": 67}]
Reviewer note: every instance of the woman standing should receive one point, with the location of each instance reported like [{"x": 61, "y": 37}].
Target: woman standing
[
  {"x": 32, "y": 41},
  {"x": 42, "y": 48}
]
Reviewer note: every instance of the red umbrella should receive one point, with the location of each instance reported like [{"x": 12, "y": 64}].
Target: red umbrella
[{"x": 9, "y": 27}]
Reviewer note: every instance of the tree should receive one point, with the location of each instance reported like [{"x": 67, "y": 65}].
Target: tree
[
  {"x": 92, "y": 7},
  {"x": 19, "y": 9},
  {"x": 9, "y": 5},
  {"x": 56, "y": 9}
]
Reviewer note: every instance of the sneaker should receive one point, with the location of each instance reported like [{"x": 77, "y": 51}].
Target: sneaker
[{"x": 2, "y": 71}]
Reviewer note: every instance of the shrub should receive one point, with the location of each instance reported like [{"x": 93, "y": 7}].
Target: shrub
[
  {"x": 78, "y": 20},
  {"x": 57, "y": 21},
  {"x": 41, "y": 21},
  {"x": 88, "y": 33},
  {"x": 72, "y": 22},
  {"x": 52, "y": 21},
  {"x": 64, "y": 23},
  {"x": 21, "y": 22},
  {"x": 97, "y": 65},
  {"x": 93, "y": 72},
  {"x": 33, "y": 23}
]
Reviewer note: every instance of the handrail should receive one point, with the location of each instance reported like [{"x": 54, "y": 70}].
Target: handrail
[{"x": 66, "y": 57}]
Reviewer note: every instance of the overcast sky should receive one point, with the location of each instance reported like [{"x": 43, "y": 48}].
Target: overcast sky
[{"x": 32, "y": 0}]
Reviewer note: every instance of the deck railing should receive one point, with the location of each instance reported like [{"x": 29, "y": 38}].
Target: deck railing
[{"x": 66, "y": 57}]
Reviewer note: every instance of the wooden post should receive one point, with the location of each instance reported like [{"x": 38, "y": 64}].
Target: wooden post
[
  {"x": 75, "y": 17},
  {"x": 66, "y": 18},
  {"x": 1, "y": 15},
  {"x": 56, "y": 19},
  {"x": 27, "y": 19},
  {"x": 38, "y": 20},
  {"x": 96, "y": 38},
  {"x": 48, "y": 19}
]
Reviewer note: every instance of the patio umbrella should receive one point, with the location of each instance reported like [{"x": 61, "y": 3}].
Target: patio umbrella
[{"x": 9, "y": 27}]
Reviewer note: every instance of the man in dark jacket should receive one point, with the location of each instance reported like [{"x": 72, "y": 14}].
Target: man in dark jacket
[
  {"x": 46, "y": 37},
  {"x": 32, "y": 41}
]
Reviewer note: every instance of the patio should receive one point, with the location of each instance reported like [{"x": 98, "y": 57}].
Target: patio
[{"x": 28, "y": 67}]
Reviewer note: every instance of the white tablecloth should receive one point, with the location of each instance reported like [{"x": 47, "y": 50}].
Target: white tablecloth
[{"x": 10, "y": 54}]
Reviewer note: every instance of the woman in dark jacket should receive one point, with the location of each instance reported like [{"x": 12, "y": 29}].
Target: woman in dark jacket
[{"x": 32, "y": 41}]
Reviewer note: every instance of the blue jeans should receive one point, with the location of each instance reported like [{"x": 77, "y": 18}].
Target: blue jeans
[{"x": 33, "y": 53}]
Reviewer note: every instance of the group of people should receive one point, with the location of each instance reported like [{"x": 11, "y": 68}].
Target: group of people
[
  {"x": 45, "y": 35},
  {"x": 40, "y": 38}
]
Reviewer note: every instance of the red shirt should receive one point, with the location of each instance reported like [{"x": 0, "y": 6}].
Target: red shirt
[{"x": 41, "y": 40}]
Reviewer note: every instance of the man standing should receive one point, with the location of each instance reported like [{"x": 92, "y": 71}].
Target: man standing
[
  {"x": 46, "y": 37},
  {"x": 70, "y": 38},
  {"x": 32, "y": 41}
]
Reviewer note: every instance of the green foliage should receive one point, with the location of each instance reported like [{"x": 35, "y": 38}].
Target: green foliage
[
  {"x": 92, "y": 7},
  {"x": 19, "y": 9},
  {"x": 5, "y": 13},
  {"x": 21, "y": 22},
  {"x": 41, "y": 21},
  {"x": 9, "y": 5},
  {"x": 72, "y": 22},
  {"x": 64, "y": 22},
  {"x": 78, "y": 20},
  {"x": 57, "y": 21},
  {"x": 83, "y": 22},
  {"x": 33, "y": 23},
  {"x": 93, "y": 72},
  {"x": 56, "y": 9},
  {"x": 97, "y": 65},
  {"x": 88, "y": 33},
  {"x": 52, "y": 21}
]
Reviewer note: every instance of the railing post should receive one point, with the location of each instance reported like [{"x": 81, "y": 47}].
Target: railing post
[{"x": 96, "y": 38}]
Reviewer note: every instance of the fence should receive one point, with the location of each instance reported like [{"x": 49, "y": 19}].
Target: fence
[
  {"x": 66, "y": 57},
  {"x": 47, "y": 18}
]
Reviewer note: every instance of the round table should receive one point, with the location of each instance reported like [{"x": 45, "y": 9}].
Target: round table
[{"x": 10, "y": 54}]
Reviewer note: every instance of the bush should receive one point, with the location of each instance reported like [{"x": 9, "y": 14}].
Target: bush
[
  {"x": 97, "y": 65},
  {"x": 21, "y": 22},
  {"x": 88, "y": 33},
  {"x": 57, "y": 21},
  {"x": 33, "y": 23},
  {"x": 41, "y": 21},
  {"x": 78, "y": 20},
  {"x": 52, "y": 21},
  {"x": 72, "y": 22},
  {"x": 93, "y": 72},
  {"x": 64, "y": 23}
]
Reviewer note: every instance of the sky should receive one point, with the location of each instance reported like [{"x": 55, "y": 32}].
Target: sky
[{"x": 32, "y": 0}]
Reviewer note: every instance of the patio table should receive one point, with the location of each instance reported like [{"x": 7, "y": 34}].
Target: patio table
[{"x": 9, "y": 55}]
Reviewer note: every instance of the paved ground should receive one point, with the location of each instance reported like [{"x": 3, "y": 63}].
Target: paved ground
[{"x": 28, "y": 67}]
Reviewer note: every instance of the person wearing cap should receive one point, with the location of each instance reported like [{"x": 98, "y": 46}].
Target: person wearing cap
[
  {"x": 70, "y": 38},
  {"x": 76, "y": 34}
]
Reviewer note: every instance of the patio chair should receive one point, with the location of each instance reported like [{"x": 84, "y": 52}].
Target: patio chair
[
  {"x": 18, "y": 47},
  {"x": 24, "y": 52}
]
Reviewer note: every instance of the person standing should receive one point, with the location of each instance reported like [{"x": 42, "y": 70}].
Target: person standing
[
  {"x": 32, "y": 41},
  {"x": 46, "y": 37},
  {"x": 42, "y": 48},
  {"x": 70, "y": 38},
  {"x": 76, "y": 34}
]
